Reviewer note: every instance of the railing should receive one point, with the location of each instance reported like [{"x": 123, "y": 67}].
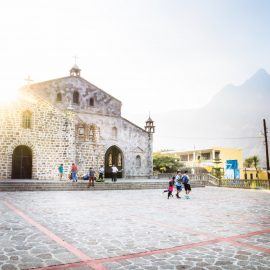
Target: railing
[
  {"x": 202, "y": 178},
  {"x": 208, "y": 179},
  {"x": 244, "y": 183},
  {"x": 164, "y": 175}
]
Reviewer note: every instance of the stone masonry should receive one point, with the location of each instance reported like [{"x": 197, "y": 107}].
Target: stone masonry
[
  {"x": 51, "y": 137},
  {"x": 71, "y": 121}
]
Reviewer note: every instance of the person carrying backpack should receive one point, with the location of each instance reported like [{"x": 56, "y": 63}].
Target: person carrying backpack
[{"x": 185, "y": 181}]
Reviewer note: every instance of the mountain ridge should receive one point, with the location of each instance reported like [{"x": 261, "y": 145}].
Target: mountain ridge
[{"x": 235, "y": 111}]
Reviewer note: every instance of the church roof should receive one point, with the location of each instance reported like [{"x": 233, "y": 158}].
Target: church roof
[
  {"x": 149, "y": 119},
  {"x": 67, "y": 78},
  {"x": 82, "y": 117},
  {"x": 75, "y": 67}
]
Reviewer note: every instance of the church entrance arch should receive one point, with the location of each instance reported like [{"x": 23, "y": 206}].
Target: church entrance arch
[
  {"x": 113, "y": 156},
  {"x": 22, "y": 163}
]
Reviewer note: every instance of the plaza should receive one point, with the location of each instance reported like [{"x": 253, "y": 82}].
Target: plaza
[{"x": 218, "y": 228}]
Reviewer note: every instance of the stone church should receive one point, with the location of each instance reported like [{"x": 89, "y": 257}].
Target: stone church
[{"x": 69, "y": 120}]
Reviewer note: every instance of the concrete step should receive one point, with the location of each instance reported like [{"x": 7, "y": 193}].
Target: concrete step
[{"x": 69, "y": 186}]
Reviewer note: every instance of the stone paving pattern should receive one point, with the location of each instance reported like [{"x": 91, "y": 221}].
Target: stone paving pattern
[{"x": 218, "y": 228}]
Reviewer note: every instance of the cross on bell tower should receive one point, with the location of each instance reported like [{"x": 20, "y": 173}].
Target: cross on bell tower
[
  {"x": 28, "y": 80},
  {"x": 75, "y": 70}
]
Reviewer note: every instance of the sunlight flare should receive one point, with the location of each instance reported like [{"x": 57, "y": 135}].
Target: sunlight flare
[{"x": 9, "y": 95}]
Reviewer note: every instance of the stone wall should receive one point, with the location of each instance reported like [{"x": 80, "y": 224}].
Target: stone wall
[
  {"x": 51, "y": 137},
  {"x": 132, "y": 140},
  {"x": 104, "y": 103},
  {"x": 64, "y": 132}
]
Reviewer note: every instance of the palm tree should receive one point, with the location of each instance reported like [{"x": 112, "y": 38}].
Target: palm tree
[
  {"x": 253, "y": 161},
  {"x": 248, "y": 162}
]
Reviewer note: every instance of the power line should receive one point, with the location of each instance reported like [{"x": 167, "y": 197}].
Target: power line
[
  {"x": 266, "y": 150},
  {"x": 212, "y": 138}
]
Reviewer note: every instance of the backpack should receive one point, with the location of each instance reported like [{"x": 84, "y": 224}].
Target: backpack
[{"x": 185, "y": 179}]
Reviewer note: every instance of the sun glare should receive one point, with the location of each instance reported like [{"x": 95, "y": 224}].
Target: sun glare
[{"x": 9, "y": 96}]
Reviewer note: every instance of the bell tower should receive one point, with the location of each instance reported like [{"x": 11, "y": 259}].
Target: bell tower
[
  {"x": 75, "y": 71},
  {"x": 150, "y": 129},
  {"x": 149, "y": 126}
]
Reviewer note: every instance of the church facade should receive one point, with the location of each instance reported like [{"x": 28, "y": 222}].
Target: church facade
[{"x": 69, "y": 120}]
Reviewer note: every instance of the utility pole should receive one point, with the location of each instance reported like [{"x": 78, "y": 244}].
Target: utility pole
[{"x": 266, "y": 151}]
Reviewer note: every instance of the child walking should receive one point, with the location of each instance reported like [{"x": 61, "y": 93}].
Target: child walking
[
  {"x": 178, "y": 184},
  {"x": 170, "y": 188}
]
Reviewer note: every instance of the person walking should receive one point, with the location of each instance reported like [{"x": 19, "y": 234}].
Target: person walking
[
  {"x": 170, "y": 188},
  {"x": 73, "y": 172},
  {"x": 185, "y": 181},
  {"x": 178, "y": 184},
  {"x": 61, "y": 171},
  {"x": 114, "y": 173},
  {"x": 101, "y": 173},
  {"x": 91, "y": 177}
]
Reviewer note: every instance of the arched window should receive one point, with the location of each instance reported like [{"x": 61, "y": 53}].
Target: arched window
[
  {"x": 138, "y": 161},
  {"x": 59, "y": 97},
  {"x": 91, "y": 102},
  {"x": 26, "y": 119},
  {"x": 76, "y": 97},
  {"x": 114, "y": 133}
]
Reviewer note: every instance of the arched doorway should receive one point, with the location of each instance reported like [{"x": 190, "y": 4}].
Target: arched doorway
[
  {"x": 113, "y": 156},
  {"x": 22, "y": 163}
]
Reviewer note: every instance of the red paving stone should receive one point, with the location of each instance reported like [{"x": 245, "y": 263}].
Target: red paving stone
[{"x": 89, "y": 262}]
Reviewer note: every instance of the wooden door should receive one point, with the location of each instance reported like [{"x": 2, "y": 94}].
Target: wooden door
[{"x": 22, "y": 163}]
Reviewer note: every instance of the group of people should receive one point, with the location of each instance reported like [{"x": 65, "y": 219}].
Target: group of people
[
  {"x": 179, "y": 181},
  {"x": 72, "y": 175},
  {"x": 89, "y": 175}
]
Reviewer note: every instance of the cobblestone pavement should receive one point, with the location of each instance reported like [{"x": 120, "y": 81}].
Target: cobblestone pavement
[{"x": 217, "y": 228}]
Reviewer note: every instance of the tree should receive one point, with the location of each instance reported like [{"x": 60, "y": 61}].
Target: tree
[
  {"x": 255, "y": 161},
  {"x": 166, "y": 163},
  {"x": 248, "y": 162},
  {"x": 217, "y": 171},
  {"x": 252, "y": 161}
]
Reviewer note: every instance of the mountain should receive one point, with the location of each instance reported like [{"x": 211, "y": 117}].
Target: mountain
[
  {"x": 233, "y": 118},
  {"x": 246, "y": 96}
]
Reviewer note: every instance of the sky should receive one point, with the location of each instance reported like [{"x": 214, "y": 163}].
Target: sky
[{"x": 153, "y": 55}]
